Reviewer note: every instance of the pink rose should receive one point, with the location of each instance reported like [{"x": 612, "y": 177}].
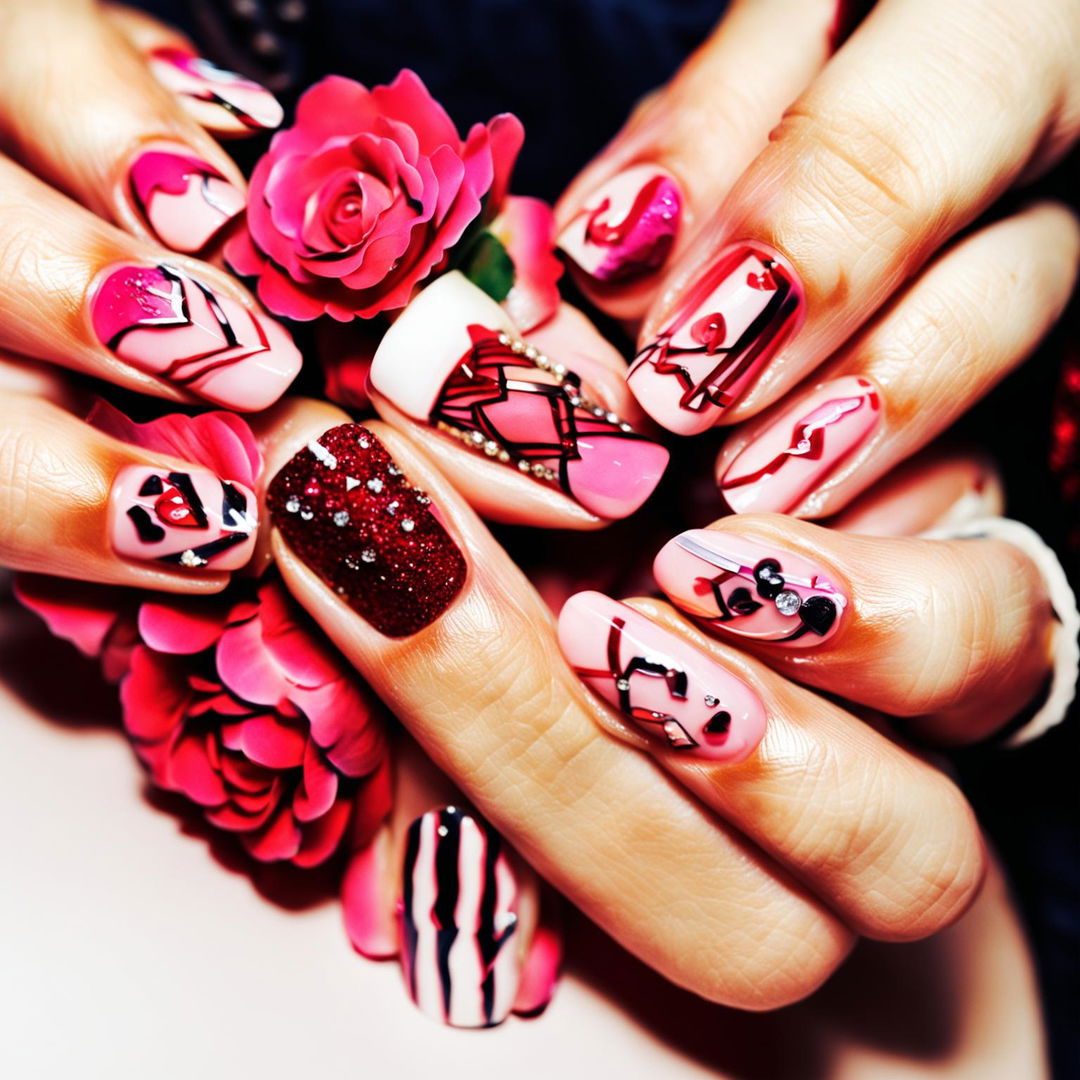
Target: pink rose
[{"x": 361, "y": 200}]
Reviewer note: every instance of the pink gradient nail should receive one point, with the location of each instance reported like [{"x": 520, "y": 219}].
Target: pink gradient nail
[
  {"x": 188, "y": 518},
  {"x": 453, "y": 360},
  {"x": 370, "y": 924},
  {"x": 183, "y": 200},
  {"x": 791, "y": 457},
  {"x": 161, "y": 320},
  {"x": 673, "y": 692},
  {"x": 216, "y": 98},
  {"x": 730, "y": 325},
  {"x": 731, "y": 582},
  {"x": 627, "y": 227}
]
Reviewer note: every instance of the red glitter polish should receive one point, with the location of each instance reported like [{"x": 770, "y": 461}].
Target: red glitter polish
[{"x": 347, "y": 510}]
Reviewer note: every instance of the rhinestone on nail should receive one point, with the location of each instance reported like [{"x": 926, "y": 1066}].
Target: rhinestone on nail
[
  {"x": 787, "y": 602},
  {"x": 341, "y": 518}
]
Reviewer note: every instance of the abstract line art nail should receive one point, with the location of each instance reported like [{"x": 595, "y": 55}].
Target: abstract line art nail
[
  {"x": 731, "y": 323},
  {"x": 470, "y": 377},
  {"x": 459, "y": 920},
  {"x": 188, "y": 518}
]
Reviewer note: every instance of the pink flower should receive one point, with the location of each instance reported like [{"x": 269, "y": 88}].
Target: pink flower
[{"x": 361, "y": 200}]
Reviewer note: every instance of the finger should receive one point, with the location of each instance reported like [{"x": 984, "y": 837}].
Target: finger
[
  {"x": 529, "y": 437},
  {"x": 77, "y": 503},
  {"x": 946, "y": 340},
  {"x": 511, "y": 726},
  {"x": 81, "y": 294},
  {"x": 105, "y": 132},
  {"x": 887, "y": 840},
  {"x": 956, "y": 631},
  {"x": 873, "y": 168},
  {"x": 635, "y": 206},
  {"x": 224, "y": 102}
]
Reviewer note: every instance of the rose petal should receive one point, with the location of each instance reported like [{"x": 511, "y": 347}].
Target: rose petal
[
  {"x": 80, "y": 612},
  {"x": 318, "y": 788},
  {"x": 322, "y": 837},
  {"x": 247, "y": 667},
  {"x": 191, "y": 772},
  {"x": 278, "y": 840},
  {"x": 182, "y": 624},
  {"x": 154, "y": 695},
  {"x": 268, "y": 741}
]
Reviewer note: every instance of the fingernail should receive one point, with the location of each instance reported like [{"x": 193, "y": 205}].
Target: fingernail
[
  {"x": 161, "y": 320},
  {"x": 673, "y": 692},
  {"x": 459, "y": 920},
  {"x": 453, "y": 360},
  {"x": 368, "y": 919},
  {"x": 730, "y": 325},
  {"x": 540, "y": 975},
  {"x": 627, "y": 227},
  {"x": 216, "y": 98},
  {"x": 793, "y": 456},
  {"x": 192, "y": 519},
  {"x": 183, "y": 200},
  {"x": 349, "y": 512},
  {"x": 749, "y": 588}
]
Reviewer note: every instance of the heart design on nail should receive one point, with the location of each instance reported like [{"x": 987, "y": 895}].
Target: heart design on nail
[
  {"x": 741, "y": 602},
  {"x": 764, "y": 282},
  {"x": 720, "y": 724},
  {"x": 769, "y": 581},
  {"x": 818, "y": 613},
  {"x": 710, "y": 331}
]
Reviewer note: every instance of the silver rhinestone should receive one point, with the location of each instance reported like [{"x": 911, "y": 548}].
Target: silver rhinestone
[
  {"x": 624, "y": 426},
  {"x": 367, "y": 555},
  {"x": 787, "y": 602},
  {"x": 293, "y": 506},
  {"x": 518, "y": 346},
  {"x": 504, "y": 456},
  {"x": 364, "y": 444},
  {"x": 559, "y": 369},
  {"x": 711, "y": 701},
  {"x": 622, "y": 684},
  {"x": 541, "y": 361},
  {"x": 191, "y": 560},
  {"x": 538, "y": 469},
  {"x": 350, "y": 483},
  {"x": 523, "y": 465},
  {"x": 598, "y": 411},
  {"x": 307, "y": 514},
  {"x": 392, "y": 507},
  {"x": 375, "y": 485},
  {"x": 575, "y": 400},
  {"x": 393, "y": 470},
  {"x": 504, "y": 339},
  {"x": 407, "y": 524},
  {"x": 341, "y": 518},
  {"x": 531, "y": 352},
  {"x": 422, "y": 499},
  {"x": 611, "y": 418},
  {"x": 477, "y": 438},
  {"x": 491, "y": 448}
]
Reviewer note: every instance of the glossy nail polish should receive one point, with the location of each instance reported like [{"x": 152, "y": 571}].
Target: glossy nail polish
[
  {"x": 161, "y": 320},
  {"x": 453, "y": 360},
  {"x": 216, "y": 98},
  {"x": 189, "y": 518},
  {"x": 757, "y": 590},
  {"x": 791, "y": 457},
  {"x": 348, "y": 511},
  {"x": 183, "y": 200},
  {"x": 730, "y": 325},
  {"x": 459, "y": 920},
  {"x": 674, "y": 693},
  {"x": 627, "y": 227}
]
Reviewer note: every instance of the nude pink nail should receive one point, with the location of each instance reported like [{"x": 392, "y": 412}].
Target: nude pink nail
[
  {"x": 674, "y": 693},
  {"x": 161, "y": 320},
  {"x": 453, "y": 360},
  {"x": 730, "y": 325},
  {"x": 627, "y": 227},
  {"x": 731, "y": 582},
  {"x": 189, "y": 518},
  {"x": 216, "y": 98},
  {"x": 793, "y": 456},
  {"x": 183, "y": 200}
]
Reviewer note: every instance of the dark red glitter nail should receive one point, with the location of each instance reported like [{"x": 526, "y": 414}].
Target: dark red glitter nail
[{"x": 349, "y": 512}]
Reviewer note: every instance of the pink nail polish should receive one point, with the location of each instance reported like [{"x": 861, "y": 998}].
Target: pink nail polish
[
  {"x": 673, "y": 692},
  {"x": 371, "y": 927},
  {"x": 183, "y": 200},
  {"x": 216, "y": 98},
  {"x": 731, "y": 582},
  {"x": 627, "y": 227},
  {"x": 190, "y": 518},
  {"x": 161, "y": 320},
  {"x": 791, "y": 457},
  {"x": 453, "y": 360},
  {"x": 729, "y": 327}
]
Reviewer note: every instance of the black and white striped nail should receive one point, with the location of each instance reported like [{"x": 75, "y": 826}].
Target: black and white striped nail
[{"x": 459, "y": 920}]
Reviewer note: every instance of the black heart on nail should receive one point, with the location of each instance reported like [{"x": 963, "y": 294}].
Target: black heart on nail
[{"x": 818, "y": 613}]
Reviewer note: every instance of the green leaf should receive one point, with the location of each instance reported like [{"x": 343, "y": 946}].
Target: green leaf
[{"x": 488, "y": 265}]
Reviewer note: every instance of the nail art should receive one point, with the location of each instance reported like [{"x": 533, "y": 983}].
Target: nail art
[
  {"x": 161, "y": 320},
  {"x": 183, "y": 200},
  {"x": 673, "y": 692},
  {"x": 627, "y": 227},
  {"x": 730, "y": 325},
  {"x": 790, "y": 458},
  {"x": 453, "y": 360},
  {"x": 192, "y": 519},
  {"x": 734, "y": 583},
  {"x": 459, "y": 920},
  {"x": 219, "y": 99},
  {"x": 348, "y": 511}
]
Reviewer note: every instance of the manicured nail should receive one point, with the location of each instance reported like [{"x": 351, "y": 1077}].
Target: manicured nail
[
  {"x": 669, "y": 689},
  {"x": 370, "y": 924},
  {"x": 459, "y": 920},
  {"x": 192, "y": 519},
  {"x": 627, "y": 227},
  {"x": 730, "y": 325},
  {"x": 453, "y": 360},
  {"x": 748, "y": 587},
  {"x": 793, "y": 456},
  {"x": 183, "y": 200},
  {"x": 216, "y": 98},
  {"x": 349, "y": 512},
  {"x": 161, "y": 320}
]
